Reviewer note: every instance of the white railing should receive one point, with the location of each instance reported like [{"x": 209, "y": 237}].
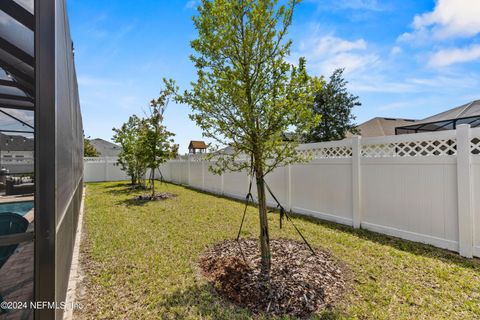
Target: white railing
[
  {"x": 420, "y": 187},
  {"x": 17, "y": 161},
  {"x": 100, "y": 159}
]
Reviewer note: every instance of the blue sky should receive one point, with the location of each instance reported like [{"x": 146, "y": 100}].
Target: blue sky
[{"x": 406, "y": 59}]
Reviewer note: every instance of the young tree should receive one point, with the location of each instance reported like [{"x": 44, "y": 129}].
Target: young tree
[
  {"x": 334, "y": 104},
  {"x": 246, "y": 94},
  {"x": 88, "y": 149},
  {"x": 131, "y": 158},
  {"x": 175, "y": 148},
  {"x": 157, "y": 142}
]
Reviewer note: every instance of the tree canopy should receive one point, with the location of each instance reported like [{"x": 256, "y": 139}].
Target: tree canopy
[
  {"x": 156, "y": 140},
  {"x": 334, "y": 104},
  {"x": 131, "y": 158},
  {"x": 146, "y": 142},
  {"x": 246, "y": 94},
  {"x": 88, "y": 149}
]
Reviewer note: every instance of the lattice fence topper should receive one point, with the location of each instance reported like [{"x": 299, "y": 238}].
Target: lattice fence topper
[
  {"x": 197, "y": 157},
  {"x": 410, "y": 149},
  {"x": 475, "y": 146},
  {"x": 329, "y": 152},
  {"x": 101, "y": 159}
]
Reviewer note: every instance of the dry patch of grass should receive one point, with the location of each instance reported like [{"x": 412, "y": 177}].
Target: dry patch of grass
[{"x": 140, "y": 260}]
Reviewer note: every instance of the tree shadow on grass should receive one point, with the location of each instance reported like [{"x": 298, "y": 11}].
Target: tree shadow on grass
[
  {"x": 124, "y": 189},
  {"x": 120, "y": 192},
  {"x": 118, "y": 185},
  {"x": 201, "y": 301},
  {"x": 132, "y": 202},
  {"x": 416, "y": 248},
  {"x": 135, "y": 202},
  {"x": 412, "y": 247}
]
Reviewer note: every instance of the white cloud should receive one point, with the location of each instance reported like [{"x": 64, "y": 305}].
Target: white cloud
[
  {"x": 333, "y": 45},
  {"x": 446, "y": 57},
  {"x": 447, "y": 82},
  {"x": 366, "y": 84},
  {"x": 395, "y": 50},
  {"x": 380, "y": 81},
  {"x": 367, "y": 5},
  {"x": 327, "y": 53},
  {"x": 362, "y": 4},
  {"x": 192, "y": 4},
  {"x": 394, "y": 106},
  {"x": 95, "y": 91},
  {"x": 349, "y": 61},
  {"x": 406, "y": 103},
  {"x": 449, "y": 19}
]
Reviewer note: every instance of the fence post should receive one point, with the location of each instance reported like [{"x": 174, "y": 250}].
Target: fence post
[
  {"x": 356, "y": 182},
  {"x": 105, "y": 167},
  {"x": 464, "y": 184},
  {"x": 289, "y": 187},
  {"x": 188, "y": 171},
  {"x": 222, "y": 184},
  {"x": 203, "y": 174}
]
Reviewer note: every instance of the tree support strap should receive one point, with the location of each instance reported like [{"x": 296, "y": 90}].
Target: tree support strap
[
  {"x": 248, "y": 198},
  {"x": 283, "y": 213},
  {"x": 161, "y": 175}
]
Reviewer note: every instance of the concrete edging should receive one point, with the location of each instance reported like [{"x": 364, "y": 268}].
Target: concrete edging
[{"x": 75, "y": 276}]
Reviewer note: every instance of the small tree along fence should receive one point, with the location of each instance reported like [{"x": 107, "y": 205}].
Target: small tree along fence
[{"x": 422, "y": 187}]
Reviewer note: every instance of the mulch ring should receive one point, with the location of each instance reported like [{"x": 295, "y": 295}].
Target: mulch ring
[
  {"x": 157, "y": 196},
  {"x": 300, "y": 283}
]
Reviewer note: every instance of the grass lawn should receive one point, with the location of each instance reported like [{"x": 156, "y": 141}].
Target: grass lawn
[{"x": 140, "y": 261}]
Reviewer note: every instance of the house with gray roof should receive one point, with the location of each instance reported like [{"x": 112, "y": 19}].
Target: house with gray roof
[
  {"x": 105, "y": 148},
  {"x": 380, "y": 126},
  {"x": 16, "y": 153},
  {"x": 468, "y": 113}
]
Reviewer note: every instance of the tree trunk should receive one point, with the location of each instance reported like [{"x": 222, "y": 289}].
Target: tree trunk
[
  {"x": 264, "y": 237},
  {"x": 152, "y": 181}
]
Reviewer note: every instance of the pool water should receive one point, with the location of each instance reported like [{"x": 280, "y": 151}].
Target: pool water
[{"x": 17, "y": 207}]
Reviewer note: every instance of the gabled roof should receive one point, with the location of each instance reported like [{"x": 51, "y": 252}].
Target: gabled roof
[
  {"x": 15, "y": 143},
  {"x": 380, "y": 126},
  {"x": 470, "y": 109},
  {"x": 468, "y": 113},
  {"x": 105, "y": 148},
  {"x": 196, "y": 144}
]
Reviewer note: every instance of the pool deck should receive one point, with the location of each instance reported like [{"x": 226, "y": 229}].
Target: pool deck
[
  {"x": 16, "y": 277},
  {"x": 16, "y": 281},
  {"x": 16, "y": 198}
]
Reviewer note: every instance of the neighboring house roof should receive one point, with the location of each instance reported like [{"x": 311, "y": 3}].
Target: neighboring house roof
[
  {"x": 195, "y": 144},
  {"x": 291, "y": 136},
  {"x": 15, "y": 143},
  {"x": 226, "y": 151},
  {"x": 105, "y": 148},
  {"x": 380, "y": 126},
  {"x": 470, "y": 109},
  {"x": 468, "y": 113}
]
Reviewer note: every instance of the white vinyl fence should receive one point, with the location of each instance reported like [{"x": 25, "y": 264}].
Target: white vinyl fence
[
  {"x": 98, "y": 169},
  {"x": 423, "y": 187}
]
